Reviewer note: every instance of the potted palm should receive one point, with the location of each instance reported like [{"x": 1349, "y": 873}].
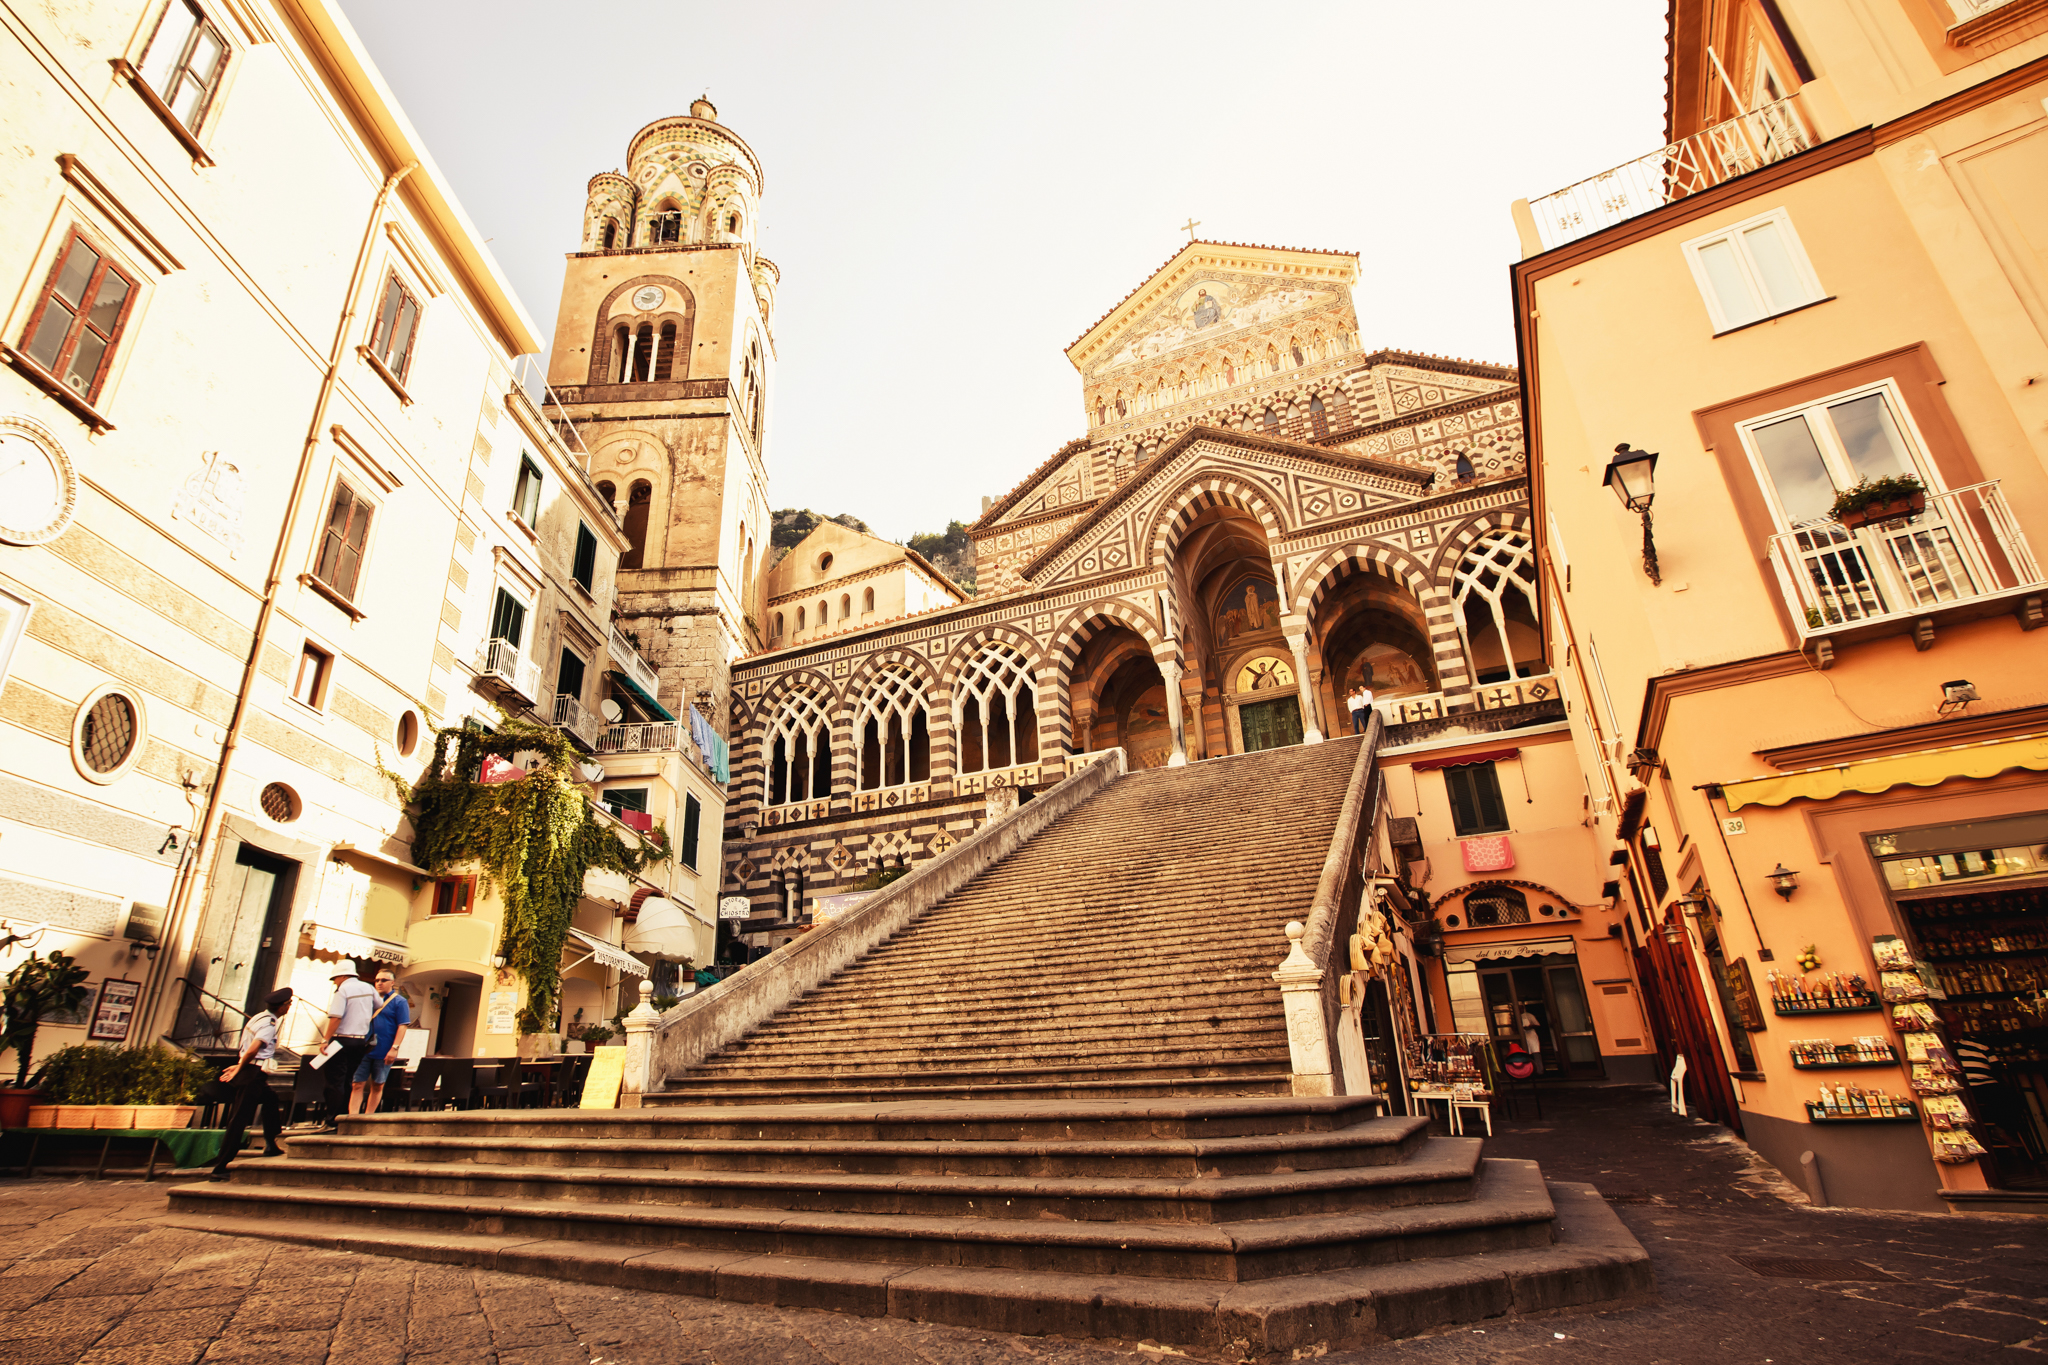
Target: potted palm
[
  {"x": 1875, "y": 500},
  {"x": 41, "y": 984}
]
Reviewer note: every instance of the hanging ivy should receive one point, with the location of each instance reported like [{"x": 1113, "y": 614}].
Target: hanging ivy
[{"x": 534, "y": 839}]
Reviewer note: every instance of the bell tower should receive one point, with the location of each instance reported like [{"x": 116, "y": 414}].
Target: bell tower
[{"x": 663, "y": 354}]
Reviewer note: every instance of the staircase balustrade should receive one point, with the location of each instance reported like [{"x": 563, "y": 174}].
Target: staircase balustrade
[
  {"x": 1308, "y": 985},
  {"x": 721, "y": 1014}
]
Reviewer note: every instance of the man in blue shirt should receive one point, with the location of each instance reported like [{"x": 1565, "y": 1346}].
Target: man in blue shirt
[{"x": 387, "y": 1028}]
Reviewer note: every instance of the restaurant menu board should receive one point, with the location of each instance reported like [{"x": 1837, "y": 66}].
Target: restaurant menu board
[
  {"x": 607, "y": 1074},
  {"x": 501, "y": 1016},
  {"x": 114, "y": 1014}
]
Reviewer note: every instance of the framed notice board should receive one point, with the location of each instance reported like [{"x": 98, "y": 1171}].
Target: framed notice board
[{"x": 114, "y": 1013}]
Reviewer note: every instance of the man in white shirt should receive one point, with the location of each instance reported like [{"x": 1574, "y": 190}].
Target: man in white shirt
[
  {"x": 348, "y": 1023},
  {"x": 1361, "y": 708}
]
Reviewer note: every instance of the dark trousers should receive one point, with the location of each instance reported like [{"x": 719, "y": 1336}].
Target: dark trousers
[
  {"x": 341, "y": 1074},
  {"x": 252, "y": 1094},
  {"x": 1358, "y": 721}
]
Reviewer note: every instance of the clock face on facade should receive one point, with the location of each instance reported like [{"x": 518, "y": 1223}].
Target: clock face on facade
[
  {"x": 649, "y": 297},
  {"x": 38, "y": 491}
]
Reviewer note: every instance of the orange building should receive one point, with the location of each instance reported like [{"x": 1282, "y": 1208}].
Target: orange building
[{"x": 1810, "y": 336}]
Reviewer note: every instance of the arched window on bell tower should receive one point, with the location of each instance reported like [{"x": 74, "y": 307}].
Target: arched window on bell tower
[
  {"x": 666, "y": 225},
  {"x": 665, "y": 358},
  {"x": 637, "y": 499},
  {"x": 610, "y": 238}
]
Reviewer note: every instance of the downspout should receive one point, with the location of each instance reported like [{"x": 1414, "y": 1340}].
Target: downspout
[{"x": 209, "y": 825}]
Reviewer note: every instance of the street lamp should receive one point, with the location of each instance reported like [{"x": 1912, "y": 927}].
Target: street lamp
[
  {"x": 1632, "y": 476},
  {"x": 1783, "y": 880}
]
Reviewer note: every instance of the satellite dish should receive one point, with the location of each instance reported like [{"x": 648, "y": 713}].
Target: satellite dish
[
  {"x": 662, "y": 931},
  {"x": 591, "y": 772},
  {"x": 611, "y": 711}
]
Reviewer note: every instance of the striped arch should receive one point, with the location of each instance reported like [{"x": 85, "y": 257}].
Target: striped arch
[
  {"x": 903, "y": 655},
  {"x": 1071, "y": 638},
  {"x": 749, "y": 750},
  {"x": 1333, "y": 567},
  {"x": 1455, "y": 547},
  {"x": 1045, "y": 688},
  {"x": 940, "y": 731},
  {"x": 1170, "y": 520}
]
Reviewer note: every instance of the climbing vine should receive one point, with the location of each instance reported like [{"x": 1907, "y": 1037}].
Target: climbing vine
[{"x": 534, "y": 838}]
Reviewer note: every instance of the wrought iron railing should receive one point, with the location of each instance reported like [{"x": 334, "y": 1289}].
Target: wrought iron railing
[
  {"x": 627, "y": 660},
  {"x": 571, "y": 715},
  {"x": 1768, "y": 133},
  {"x": 635, "y": 737},
  {"x": 500, "y": 658},
  {"x": 1963, "y": 545}
]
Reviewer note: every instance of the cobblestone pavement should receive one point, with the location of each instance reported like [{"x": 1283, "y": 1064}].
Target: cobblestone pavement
[{"x": 87, "y": 1275}]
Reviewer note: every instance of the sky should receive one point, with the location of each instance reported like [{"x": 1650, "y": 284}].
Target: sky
[{"x": 954, "y": 193}]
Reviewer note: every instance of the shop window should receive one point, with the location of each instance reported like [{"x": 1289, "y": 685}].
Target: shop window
[
  {"x": 398, "y": 319},
  {"x": 454, "y": 895},
  {"x": 1753, "y": 270},
  {"x": 1476, "y": 804},
  {"x": 75, "y": 324}
]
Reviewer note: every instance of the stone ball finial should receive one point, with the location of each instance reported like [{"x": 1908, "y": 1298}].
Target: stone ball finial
[
  {"x": 704, "y": 109},
  {"x": 646, "y": 989},
  {"x": 1295, "y": 929}
]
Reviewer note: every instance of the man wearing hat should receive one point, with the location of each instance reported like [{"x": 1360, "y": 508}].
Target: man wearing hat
[
  {"x": 249, "y": 1083},
  {"x": 348, "y": 1023}
]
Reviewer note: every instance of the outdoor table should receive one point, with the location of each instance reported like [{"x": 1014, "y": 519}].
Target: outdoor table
[{"x": 187, "y": 1147}]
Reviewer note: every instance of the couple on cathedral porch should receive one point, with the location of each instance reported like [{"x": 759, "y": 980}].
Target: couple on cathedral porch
[{"x": 1360, "y": 702}]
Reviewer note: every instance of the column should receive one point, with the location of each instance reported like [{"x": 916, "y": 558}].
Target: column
[
  {"x": 1170, "y": 671},
  {"x": 1310, "y": 733},
  {"x": 626, "y": 370}
]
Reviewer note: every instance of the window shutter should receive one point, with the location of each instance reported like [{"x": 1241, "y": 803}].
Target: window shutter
[
  {"x": 508, "y": 619},
  {"x": 693, "y": 816},
  {"x": 586, "y": 556}
]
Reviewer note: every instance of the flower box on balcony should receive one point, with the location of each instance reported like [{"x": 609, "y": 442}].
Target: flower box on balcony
[{"x": 1877, "y": 500}]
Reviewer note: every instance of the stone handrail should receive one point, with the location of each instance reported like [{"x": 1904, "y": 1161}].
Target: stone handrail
[
  {"x": 1308, "y": 986},
  {"x": 718, "y": 1015}
]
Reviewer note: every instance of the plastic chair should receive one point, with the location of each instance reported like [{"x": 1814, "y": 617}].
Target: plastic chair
[
  {"x": 569, "y": 1084},
  {"x": 397, "y": 1093},
  {"x": 309, "y": 1087},
  {"x": 425, "y": 1090},
  {"x": 458, "y": 1083},
  {"x": 512, "y": 1086},
  {"x": 1459, "y": 1108},
  {"x": 1678, "y": 1086}
]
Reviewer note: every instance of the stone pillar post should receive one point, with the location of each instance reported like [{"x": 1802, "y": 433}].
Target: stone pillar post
[
  {"x": 1170, "y": 671},
  {"x": 1301, "y": 1001},
  {"x": 1310, "y": 732},
  {"x": 640, "y": 1026}
]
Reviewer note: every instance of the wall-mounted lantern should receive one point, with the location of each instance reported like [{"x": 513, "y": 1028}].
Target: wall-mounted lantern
[
  {"x": 1632, "y": 476},
  {"x": 1783, "y": 880}
]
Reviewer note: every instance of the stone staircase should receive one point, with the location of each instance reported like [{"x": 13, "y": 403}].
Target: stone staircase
[
  {"x": 1058, "y": 1103},
  {"x": 1126, "y": 952}
]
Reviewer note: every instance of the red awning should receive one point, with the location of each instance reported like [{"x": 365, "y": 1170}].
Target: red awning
[{"x": 1428, "y": 765}]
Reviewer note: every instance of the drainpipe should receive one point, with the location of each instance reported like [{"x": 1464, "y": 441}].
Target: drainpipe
[{"x": 174, "y": 920}]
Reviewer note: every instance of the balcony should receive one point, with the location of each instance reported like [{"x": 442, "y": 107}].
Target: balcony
[
  {"x": 1764, "y": 135},
  {"x": 627, "y": 660},
  {"x": 1963, "y": 556},
  {"x": 641, "y": 737},
  {"x": 501, "y": 668},
  {"x": 571, "y": 716}
]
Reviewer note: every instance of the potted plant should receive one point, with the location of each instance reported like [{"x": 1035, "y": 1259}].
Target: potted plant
[
  {"x": 36, "y": 987},
  {"x": 1875, "y": 500}
]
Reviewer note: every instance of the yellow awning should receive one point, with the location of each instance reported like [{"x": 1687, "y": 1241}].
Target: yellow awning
[{"x": 1928, "y": 768}]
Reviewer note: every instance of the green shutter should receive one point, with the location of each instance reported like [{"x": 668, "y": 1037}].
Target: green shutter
[{"x": 693, "y": 816}]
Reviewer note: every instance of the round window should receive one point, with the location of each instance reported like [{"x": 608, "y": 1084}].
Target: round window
[
  {"x": 408, "y": 733},
  {"x": 106, "y": 738},
  {"x": 825, "y": 562},
  {"x": 279, "y": 802}
]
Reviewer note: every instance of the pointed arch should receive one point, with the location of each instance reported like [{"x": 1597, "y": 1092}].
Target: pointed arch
[{"x": 1174, "y": 513}]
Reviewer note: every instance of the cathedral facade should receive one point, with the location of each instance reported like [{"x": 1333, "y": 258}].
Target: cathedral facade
[{"x": 1262, "y": 516}]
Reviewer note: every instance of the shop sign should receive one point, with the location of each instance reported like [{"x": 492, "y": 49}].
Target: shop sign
[{"x": 735, "y": 907}]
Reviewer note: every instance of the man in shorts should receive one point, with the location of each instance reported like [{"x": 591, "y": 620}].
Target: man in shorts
[{"x": 387, "y": 1028}]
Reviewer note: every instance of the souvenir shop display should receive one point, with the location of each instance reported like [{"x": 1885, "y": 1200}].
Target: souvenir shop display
[
  {"x": 1832, "y": 993},
  {"x": 1854, "y": 1104},
  {"x": 1443, "y": 1060},
  {"x": 1813, "y": 1054}
]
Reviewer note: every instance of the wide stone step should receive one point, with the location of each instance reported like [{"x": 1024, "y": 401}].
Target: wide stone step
[
  {"x": 1155, "y": 1040},
  {"x": 1594, "y": 1262},
  {"x": 1509, "y": 1209},
  {"x": 1028, "y": 998},
  {"x": 1442, "y": 1173},
  {"x": 885, "y": 1088},
  {"x": 934, "y": 1071},
  {"x": 1372, "y": 1142}
]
